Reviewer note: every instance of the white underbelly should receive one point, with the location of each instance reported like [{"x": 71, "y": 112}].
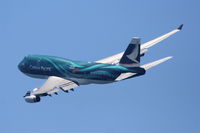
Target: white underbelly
[
  {"x": 78, "y": 80},
  {"x": 90, "y": 81}
]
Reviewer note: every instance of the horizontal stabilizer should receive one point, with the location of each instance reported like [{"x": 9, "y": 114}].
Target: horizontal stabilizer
[{"x": 155, "y": 63}]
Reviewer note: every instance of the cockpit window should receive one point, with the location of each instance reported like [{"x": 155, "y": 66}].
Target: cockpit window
[{"x": 25, "y": 58}]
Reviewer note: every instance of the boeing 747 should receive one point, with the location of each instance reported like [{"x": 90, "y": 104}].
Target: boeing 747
[{"x": 67, "y": 74}]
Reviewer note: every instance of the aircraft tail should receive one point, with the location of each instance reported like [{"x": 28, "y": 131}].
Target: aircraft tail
[
  {"x": 146, "y": 67},
  {"x": 131, "y": 57}
]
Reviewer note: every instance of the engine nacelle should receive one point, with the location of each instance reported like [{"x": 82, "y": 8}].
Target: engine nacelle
[{"x": 32, "y": 99}]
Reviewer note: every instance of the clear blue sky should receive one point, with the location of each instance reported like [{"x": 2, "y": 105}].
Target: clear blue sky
[{"x": 165, "y": 100}]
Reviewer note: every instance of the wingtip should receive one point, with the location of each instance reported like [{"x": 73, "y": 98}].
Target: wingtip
[
  {"x": 166, "y": 58},
  {"x": 180, "y": 27},
  {"x": 169, "y": 57}
]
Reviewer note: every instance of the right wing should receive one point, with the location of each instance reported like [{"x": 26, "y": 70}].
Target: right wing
[{"x": 144, "y": 47}]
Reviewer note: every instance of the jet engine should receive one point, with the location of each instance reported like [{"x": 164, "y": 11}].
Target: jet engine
[{"x": 32, "y": 99}]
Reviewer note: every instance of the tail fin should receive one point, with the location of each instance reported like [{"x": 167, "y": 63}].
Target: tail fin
[{"x": 131, "y": 57}]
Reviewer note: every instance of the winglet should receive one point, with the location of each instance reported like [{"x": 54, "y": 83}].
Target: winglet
[{"x": 180, "y": 27}]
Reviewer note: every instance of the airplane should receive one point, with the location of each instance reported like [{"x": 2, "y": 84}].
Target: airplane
[{"x": 68, "y": 74}]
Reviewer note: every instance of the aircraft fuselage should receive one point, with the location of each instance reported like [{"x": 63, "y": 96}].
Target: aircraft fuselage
[{"x": 39, "y": 66}]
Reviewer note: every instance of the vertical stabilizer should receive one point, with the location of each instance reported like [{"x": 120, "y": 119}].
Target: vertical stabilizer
[{"x": 131, "y": 57}]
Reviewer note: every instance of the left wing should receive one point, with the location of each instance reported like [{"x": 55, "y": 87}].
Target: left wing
[{"x": 51, "y": 85}]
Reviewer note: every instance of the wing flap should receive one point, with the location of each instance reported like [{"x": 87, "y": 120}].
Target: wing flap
[
  {"x": 68, "y": 86},
  {"x": 52, "y": 91},
  {"x": 112, "y": 59}
]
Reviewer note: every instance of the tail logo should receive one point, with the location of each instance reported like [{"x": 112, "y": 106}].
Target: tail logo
[{"x": 133, "y": 55}]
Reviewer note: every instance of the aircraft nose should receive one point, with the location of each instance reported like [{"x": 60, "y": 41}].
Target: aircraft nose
[{"x": 21, "y": 66}]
